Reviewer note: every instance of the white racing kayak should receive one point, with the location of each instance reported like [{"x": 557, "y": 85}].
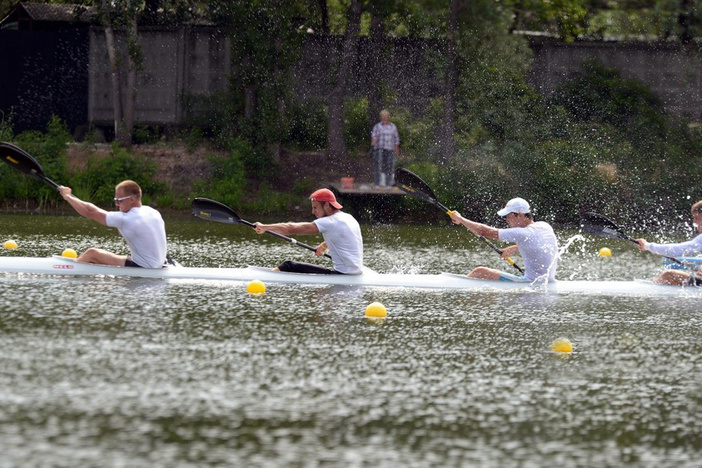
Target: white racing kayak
[
  {"x": 687, "y": 263},
  {"x": 63, "y": 266}
]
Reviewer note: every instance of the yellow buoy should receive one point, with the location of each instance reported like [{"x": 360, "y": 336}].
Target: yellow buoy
[
  {"x": 376, "y": 309},
  {"x": 605, "y": 252},
  {"x": 9, "y": 245},
  {"x": 562, "y": 345},
  {"x": 70, "y": 253},
  {"x": 256, "y": 287}
]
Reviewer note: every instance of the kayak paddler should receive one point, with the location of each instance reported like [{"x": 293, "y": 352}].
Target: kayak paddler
[
  {"x": 677, "y": 277},
  {"x": 141, "y": 226},
  {"x": 340, "y": 230},
  {"x": 535, "y": 241}
]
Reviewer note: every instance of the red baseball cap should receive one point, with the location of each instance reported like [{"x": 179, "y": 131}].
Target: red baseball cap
[{"x": 325, "y": 195}]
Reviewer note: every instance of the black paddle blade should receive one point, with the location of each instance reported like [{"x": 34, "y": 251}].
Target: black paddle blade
[
  {"x": 24, "y": 162},
  {"x": 412, "y": 181},
  {"x": 212, "y": 210},
  {"x": 601, "y": 226},
  {"x": 412, "y": 184},
  {"x": 20, "y": 159}
]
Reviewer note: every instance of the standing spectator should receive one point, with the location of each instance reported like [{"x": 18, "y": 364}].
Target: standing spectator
[{"x": 386, "y": 143}]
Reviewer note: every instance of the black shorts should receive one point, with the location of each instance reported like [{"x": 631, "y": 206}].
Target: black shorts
[
  {"x": 130, "y": 263},
  {"x": 298, "y": 267}
]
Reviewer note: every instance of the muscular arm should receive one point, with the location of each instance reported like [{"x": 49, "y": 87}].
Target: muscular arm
[
  {"x": 288, "y": 228},
  {"x": 476, "y": 228},
  {"x": 83, "y": 208}
]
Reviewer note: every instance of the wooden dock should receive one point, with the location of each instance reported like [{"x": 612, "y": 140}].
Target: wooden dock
[
  {"x": 364, "y": 189},
  {"x": 370, "y": 203}
]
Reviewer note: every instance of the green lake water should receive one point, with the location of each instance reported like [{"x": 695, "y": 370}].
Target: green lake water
[{"x": 114, "y": 372}]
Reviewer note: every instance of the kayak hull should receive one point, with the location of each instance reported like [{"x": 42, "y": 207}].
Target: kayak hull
[{"x": 63, "y": 266}]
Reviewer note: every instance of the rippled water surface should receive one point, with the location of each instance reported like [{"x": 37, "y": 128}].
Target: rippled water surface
[{"x": 134, "y": 372}]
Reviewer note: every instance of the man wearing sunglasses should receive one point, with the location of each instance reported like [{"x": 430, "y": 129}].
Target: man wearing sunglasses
[{"x": 141, "y": 226}]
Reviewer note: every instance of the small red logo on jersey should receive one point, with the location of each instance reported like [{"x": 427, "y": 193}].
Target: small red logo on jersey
[{"x": 63, "y": 267}]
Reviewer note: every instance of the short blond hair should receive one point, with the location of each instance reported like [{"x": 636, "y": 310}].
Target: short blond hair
[
  {"x": 385, "y": 112},
  {"x": 129, "y": 187}
]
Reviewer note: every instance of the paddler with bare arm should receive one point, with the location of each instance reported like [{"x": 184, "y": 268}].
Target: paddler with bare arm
[
  {"x": 534, "y": 241},
  {"x": 141, "y": 226},
  {"x": 677, "y": 277},
  {"x": 340, "y": 230}
]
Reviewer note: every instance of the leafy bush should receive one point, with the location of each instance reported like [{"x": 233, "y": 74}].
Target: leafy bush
[
  {"x": 97, "y": 182},
  {"x": 228, "y": 179},
  {"x": 600, "y": 94},
  {"x": 144, "y": 134},
  {"x": 268, "y": 201},
  {"x": 50, "y": 150},
  {"x": 307, "y": 125},
  {"x": 356, "y": 128}
]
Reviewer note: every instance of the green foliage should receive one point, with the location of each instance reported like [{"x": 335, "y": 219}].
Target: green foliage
[
  {"x": 228, "y": 181},
  {"x": 417, "y": 134},
  {"x": 602, "y": 143},
  {"x": 356, "y": 131},
  {"x": 307, "y": 125},
  {"x": 268, "y": 201},
  {"x": 599, "y": 93},
  {"x": 97, "y": 182},
  {"x": 50, "y": 150},
  {"x": 266, "y": 43},
  {"x": 213, "y": 114},
  {"x": 146, "y": 134},
  {"x": 6, "y": 133},
  {"x": 193, "y": 138}
]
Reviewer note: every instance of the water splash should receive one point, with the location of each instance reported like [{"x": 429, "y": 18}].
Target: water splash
[{"x": 577, "y": 237}]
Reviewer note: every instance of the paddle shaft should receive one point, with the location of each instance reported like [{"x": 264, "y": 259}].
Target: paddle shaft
[
  {"x": 281, "y": 236},
  {"x": 423, "y": 196},
  {"x": 48, "y": 181},
  {"x": 674, "y": 260},
  {"x": 212, "y": 210},
  {"x": 604, "y": 227}
]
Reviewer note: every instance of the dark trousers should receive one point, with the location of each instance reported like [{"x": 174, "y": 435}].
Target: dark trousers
[
  {"x": 384, "y": 167},
  {"x": 299, "y": 267}
]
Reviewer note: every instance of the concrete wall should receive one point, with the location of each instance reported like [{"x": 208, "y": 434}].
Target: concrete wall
[
  {"x": 197, "y": 62},
  {"x": 176, "y": 62},
  {"x": 673, "y": 72}
]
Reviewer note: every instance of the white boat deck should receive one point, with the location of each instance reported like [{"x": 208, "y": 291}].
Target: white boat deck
[{"x": 63, "y": 266}]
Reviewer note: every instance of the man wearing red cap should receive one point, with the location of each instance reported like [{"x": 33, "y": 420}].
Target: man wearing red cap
[{"x": 340, "y": 230}]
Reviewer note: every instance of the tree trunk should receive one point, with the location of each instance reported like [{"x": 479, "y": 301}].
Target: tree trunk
[
  {"x": 684, "y": 21},
  {"x": 130, "y": 89},
  {"x": 447, "y": 142},
  {"x": 123, "y": 95},
  {"x": 280, "y": 101},
  {"x": 325, "y": 16},
  {"x": 335, "y": 137},
  {"x": 376, "y": 58},
  {"x": 117, "y": 112},
  {"x": 249, "y": 91}
]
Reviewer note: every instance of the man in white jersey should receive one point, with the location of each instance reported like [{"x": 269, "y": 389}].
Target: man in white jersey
[
  {"x": 677, "y": 277},
  {"x": 534, "y": 241},
  {"x": 341, "y": 233},
  {"x": 141, "y": 226}
]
